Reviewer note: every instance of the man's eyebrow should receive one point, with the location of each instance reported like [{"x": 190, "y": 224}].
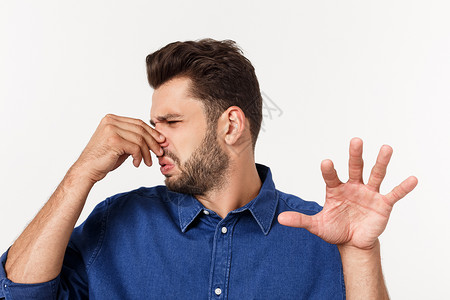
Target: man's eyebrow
[{"x": 166, "y": 117}]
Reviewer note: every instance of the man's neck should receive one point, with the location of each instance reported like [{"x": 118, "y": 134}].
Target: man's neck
[{"x": 242, "y": 186}]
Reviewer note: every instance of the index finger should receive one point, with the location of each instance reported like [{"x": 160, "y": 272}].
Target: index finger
[
  {"x": 137, "y": 122},
  {"x": 152, "y": 137},
  {"x": 329, "y": 174}
]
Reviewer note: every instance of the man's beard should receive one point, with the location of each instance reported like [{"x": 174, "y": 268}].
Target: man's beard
[{"x": 204, "y": 171}]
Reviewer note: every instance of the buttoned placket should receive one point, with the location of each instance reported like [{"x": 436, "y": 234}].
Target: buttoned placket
[{"x": 221, "y": 258}]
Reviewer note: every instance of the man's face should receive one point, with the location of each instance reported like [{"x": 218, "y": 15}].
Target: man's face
[{"x": 193, "y": 161}]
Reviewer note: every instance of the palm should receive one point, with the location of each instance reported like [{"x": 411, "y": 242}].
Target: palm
[{"x": 354, "y": 213}]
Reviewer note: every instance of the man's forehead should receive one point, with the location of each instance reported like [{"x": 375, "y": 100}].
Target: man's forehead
[
  {"x": 174, "y": 106},
  {"x": 172, "y": 99}
]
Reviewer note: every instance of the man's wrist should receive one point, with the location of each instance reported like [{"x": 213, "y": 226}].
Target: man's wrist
[
  {"x": 356, "y": 253},
  {"x": 362, "y": 272},
  {"x": 78, "y": 176}
]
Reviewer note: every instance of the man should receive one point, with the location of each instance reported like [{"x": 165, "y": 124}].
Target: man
[{"x": 212, "y": 231}]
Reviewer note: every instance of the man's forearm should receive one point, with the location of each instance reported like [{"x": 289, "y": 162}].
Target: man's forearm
[
  {"x": 37, "y": 255},
  {"x": 362, "y": 273}
]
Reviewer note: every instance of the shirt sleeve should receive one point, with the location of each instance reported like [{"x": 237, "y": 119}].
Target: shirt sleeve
[
  {"x": 72, "y": 282},
  {"x": 11, "y": 290}
]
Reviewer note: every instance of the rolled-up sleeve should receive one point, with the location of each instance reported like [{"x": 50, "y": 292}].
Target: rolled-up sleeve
[
  {"x": 72, "y": 282},
  {"x": 11, "y": 290}
]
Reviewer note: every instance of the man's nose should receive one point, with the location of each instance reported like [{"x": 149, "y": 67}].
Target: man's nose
[
  {"x": 164, "y": 144},
  {"x": 166, "y": 140}
]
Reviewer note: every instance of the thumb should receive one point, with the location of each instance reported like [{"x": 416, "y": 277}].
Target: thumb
[{"x": 295, "y": 219}]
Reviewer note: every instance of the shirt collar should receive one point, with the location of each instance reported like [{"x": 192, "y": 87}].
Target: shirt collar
[{"x": 262, "y": 207}]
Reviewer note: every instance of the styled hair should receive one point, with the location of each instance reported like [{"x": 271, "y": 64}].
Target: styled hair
[{"x": 220, "y": 74}]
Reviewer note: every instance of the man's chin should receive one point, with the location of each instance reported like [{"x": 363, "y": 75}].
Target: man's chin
[
  {"x": 172, "y": 184},
  {"x": 169, "y": 181},
  {"x": 175, "y": 186}
]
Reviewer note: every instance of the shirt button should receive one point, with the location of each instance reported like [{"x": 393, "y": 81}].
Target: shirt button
[
  {"x": 218, "y": 291},
  {"x": 206, "y": 212},
  {"x": 224, "y": 230}
]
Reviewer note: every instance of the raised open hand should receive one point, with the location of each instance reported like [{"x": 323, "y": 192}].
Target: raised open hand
[{"x": 354, "y": 214}]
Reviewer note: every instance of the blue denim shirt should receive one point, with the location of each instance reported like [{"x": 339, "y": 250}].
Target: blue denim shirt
[{"x": 155, "y": 244}]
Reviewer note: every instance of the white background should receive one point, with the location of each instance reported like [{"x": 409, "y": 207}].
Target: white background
[{"x": 337, "y": 69}]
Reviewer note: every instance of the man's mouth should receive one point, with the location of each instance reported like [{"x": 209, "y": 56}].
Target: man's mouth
[
  {"x": 165, "y": 169},
  {"x": 166, "y": 165}
]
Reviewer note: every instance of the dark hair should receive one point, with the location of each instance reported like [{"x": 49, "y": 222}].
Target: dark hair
[{"x": 221, "y": 77}]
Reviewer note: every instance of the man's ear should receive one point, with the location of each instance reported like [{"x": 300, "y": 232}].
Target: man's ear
[{"x": 232, "y": 124}]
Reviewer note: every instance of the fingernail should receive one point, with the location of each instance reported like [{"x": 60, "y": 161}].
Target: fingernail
[{"x": 161, "y": 137}]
